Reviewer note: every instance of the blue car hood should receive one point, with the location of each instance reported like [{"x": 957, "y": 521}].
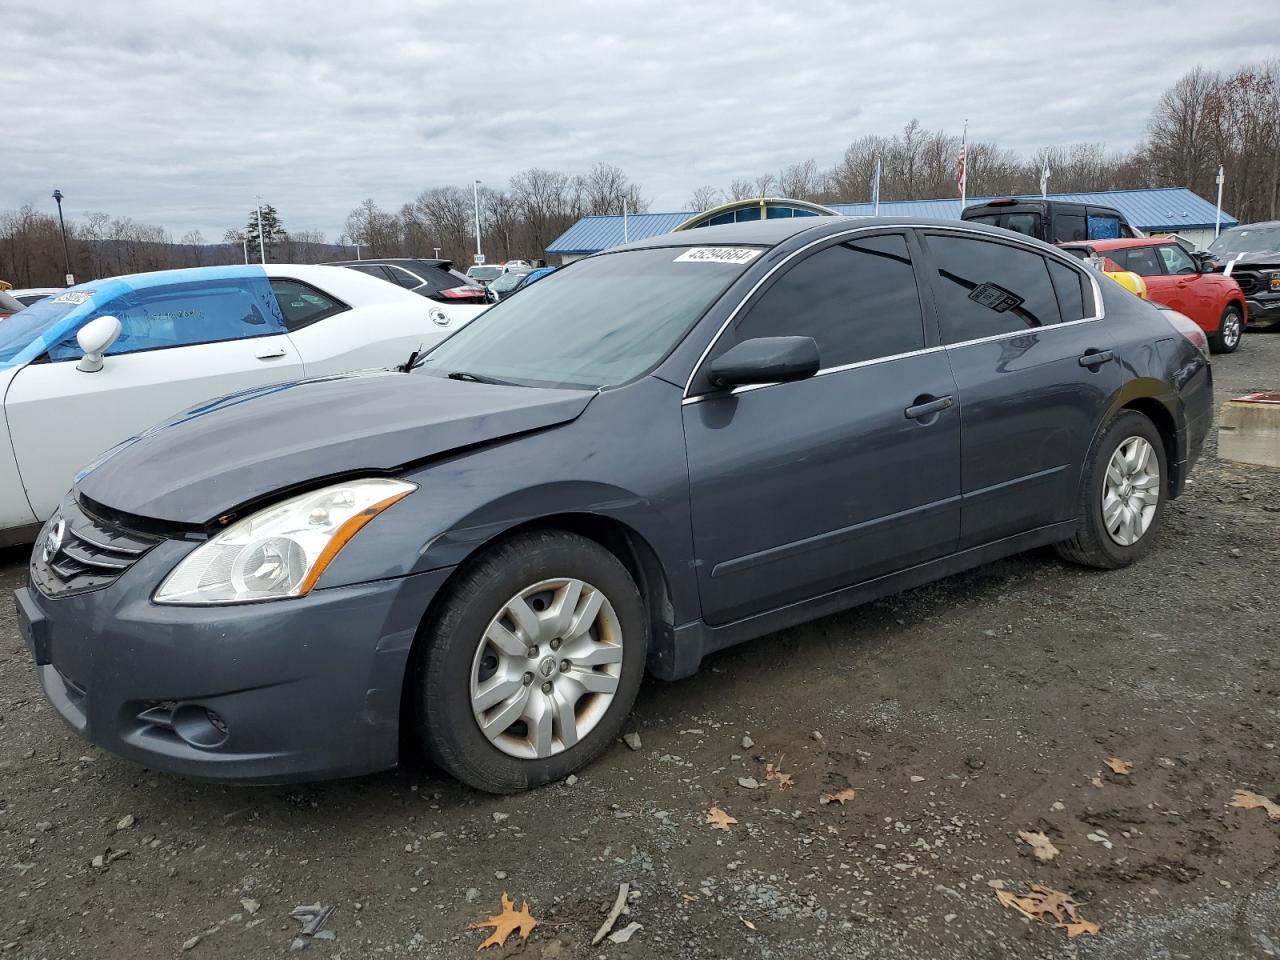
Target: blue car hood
[{"x": 237, "y": 450}]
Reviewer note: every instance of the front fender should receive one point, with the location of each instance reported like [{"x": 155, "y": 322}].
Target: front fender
[{"x": 623, "y": 460}]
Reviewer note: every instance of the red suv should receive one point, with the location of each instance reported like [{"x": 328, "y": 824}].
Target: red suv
[{"x": 1179, "y": 280}]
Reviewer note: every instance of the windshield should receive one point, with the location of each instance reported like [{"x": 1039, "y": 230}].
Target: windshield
[
  {"x": 484, "y": 273},
  {"x": 508, "y": 281},
  {"x": 604, "y": 322},
  {"x": 1246, "y": 240},
  {"x": 27, "y": 335}
]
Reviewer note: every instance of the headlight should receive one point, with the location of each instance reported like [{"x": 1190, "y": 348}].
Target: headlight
[{"x": 282, "y": 550}]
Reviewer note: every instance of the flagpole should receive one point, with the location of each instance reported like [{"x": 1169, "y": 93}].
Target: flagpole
[
  {"x": 1217, "y": 220},
  {"x": 964, "y": 170}
]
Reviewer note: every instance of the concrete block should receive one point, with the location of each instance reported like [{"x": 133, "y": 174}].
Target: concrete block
[{"x": 1249, "y": 429}]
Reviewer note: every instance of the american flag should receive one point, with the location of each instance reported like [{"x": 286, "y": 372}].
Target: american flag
[{"x": 960, "y": 178}]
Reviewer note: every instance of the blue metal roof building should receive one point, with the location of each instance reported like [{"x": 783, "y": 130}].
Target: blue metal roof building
[{"x": 1158, "y": 210}]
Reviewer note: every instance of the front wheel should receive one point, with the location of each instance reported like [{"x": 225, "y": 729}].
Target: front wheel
[
  {"x": 532, "y": 664},
  {"x": 1227, "y": 339},
  {"x": 1122, "y": 496}
]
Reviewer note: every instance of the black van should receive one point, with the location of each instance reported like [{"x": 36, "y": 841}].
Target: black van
[{"x": 1054, "y": 221}]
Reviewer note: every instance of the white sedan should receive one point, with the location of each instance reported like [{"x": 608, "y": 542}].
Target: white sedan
[{"x": 183, "y": 336}]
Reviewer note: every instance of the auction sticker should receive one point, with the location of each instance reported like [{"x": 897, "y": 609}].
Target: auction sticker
[
  {"x": 74, "y": 296},
  {"x": 718, "y": 255}
]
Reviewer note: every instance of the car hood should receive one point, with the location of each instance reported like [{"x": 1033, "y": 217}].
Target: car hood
[
  {"x": 236, "y": 450},
  {"x": 1259, "y": 258}
]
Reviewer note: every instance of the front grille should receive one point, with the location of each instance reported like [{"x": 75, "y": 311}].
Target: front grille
[
  {"x": 1250, "y": 281},
  {"x": 90, "y": 554}
]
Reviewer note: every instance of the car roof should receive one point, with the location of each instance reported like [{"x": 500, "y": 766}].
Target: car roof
[
  {"x": 1121, "y": 243},
  {"x": 380, "y": 260},
  {"x": 773, "y": 232}
]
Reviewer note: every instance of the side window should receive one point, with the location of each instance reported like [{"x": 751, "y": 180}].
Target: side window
[
  {"x": 858, "y": 300},
  {"x": 403, "y": 277},
  {"x": 182, "y": 315},
  {"x": 302, "y": 304},
  {"x": 1176, "y": 259},
  {"x": 1069, "y": 227},
  {"x": 1068, "y": 284},
  {"x": 372, "y": 269},
  {"x": 1140, "y": 260},
  {"x": 1103, "y": 226},
  {"x": 988, "y": 289},
  {"x": 1028, "y": 224}
]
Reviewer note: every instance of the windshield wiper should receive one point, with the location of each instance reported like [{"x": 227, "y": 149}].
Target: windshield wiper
[{"x": 479, "y": 378}]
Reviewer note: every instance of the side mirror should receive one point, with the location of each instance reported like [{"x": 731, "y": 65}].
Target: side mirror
[
  {"x": 94, "y": 339},
  {"x": 1204, "y": 261},
  {"x": 765, "y": 360}
]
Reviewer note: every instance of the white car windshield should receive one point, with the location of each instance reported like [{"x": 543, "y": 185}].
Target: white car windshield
[{"x": 602, "y": 322}]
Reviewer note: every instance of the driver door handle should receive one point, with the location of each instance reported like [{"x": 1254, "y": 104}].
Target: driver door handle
[
  {"x": 1094, "y": 358},
  {"x": 270, "y": 353},
  {"x": 920, "y": 410}
]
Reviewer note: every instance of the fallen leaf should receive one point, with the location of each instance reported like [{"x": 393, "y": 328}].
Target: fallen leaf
[
  {"x": 840, "y": 796},
  {"x": 1079, "y": 927},
  {"x": 689, "y": 898},
  {"x": 1118, "y": 766},
  {"x": 1050, "y": 906},
  {"x": 507, "y": 922},
  {"x": 774, "y": 773},
  {"x": 747, "y": 923},
  {"x": 1039, "y": 843},
  {"x": 719, "y": 820},
  {"x": 1248, "y": 800}
]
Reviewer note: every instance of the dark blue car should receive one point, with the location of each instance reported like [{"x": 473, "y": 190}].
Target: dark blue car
[{"x": 656, "y": 453}]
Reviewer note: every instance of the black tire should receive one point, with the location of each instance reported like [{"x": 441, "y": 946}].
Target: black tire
[
  {"x": 1092, "y": 545},
  {"x": 441, "y": 667},
  {"x": 1230, "y": 330}
]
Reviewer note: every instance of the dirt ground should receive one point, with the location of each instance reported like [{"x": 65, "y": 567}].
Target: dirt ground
[{"x": 960, "y": 713}]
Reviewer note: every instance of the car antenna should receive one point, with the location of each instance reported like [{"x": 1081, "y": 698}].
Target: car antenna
[{"x": 408, "y": 365}]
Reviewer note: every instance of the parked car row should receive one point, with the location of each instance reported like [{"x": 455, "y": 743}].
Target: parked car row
[
  {"x": 103, "y": 361},
  {"x": 669, "y": 448}
]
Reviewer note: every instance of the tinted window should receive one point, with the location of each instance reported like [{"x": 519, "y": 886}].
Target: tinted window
[
  {"x": 1024, "y": 223},
  {"x": 603, "y": 322},
  {"x": 858, "y": 300},
  {"x": 403, "y": 277},
  {"x": 1176, "y": 259},
  {"x": 990, "y": 288},
  {"x": 185, "y": 314},
  {"x": 1140, "y": 260},
  {"x": 372, "y": 269},
  {"x": 302, "y": 304},
  {"x": 1068, "y": 227},
  {"x": 1068, "y": 284}
]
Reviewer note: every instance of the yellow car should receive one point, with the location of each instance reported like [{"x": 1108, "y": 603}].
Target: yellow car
[{"x": 1130, "y": 281}]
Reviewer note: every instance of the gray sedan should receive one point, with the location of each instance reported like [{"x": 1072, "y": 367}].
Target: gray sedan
[{"x": 658, "y": 452}]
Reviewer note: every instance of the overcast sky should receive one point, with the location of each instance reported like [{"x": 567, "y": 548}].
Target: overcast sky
[{"x": 178, "y": 114}]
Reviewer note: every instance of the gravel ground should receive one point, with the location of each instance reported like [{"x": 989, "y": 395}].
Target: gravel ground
[{"x": 960, "y": 713}]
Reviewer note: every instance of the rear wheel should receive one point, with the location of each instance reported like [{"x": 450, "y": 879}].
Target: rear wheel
[
  {"x": 1122, "y": 496},
  {"x": 532, "y": 665},
  {"x": 1227, "y": 339}
]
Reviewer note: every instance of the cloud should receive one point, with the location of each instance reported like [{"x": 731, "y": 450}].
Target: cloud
[{"x": 180, "y": 114}]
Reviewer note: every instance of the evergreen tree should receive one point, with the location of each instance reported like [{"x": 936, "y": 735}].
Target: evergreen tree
[{"x": 272, "y": 232}]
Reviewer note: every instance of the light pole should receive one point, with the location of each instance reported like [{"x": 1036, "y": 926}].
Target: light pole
[
  {"x": 244, "y": 243},
  {"x": 1217, "y": 219},
  {"x": 262, "y": 249},
  {"x": 475, "y": 202},
  {"x": 437, "y": 250},
  {"x": 66, "y": 257}
]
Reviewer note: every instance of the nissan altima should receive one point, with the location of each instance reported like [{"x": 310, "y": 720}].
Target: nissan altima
[{"x": 656, "y": 453}]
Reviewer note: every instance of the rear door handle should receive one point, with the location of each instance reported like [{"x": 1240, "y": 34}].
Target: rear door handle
[
  {"x": 1094, "y": 358},
  {"x": 270, "y": 353},
  {"x": 920, "y": 410}
]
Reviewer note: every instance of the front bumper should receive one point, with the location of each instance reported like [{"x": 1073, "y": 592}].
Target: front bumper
[
  {"x": 1264, "y": 311},
  {"x": 267, "y": 692}
]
